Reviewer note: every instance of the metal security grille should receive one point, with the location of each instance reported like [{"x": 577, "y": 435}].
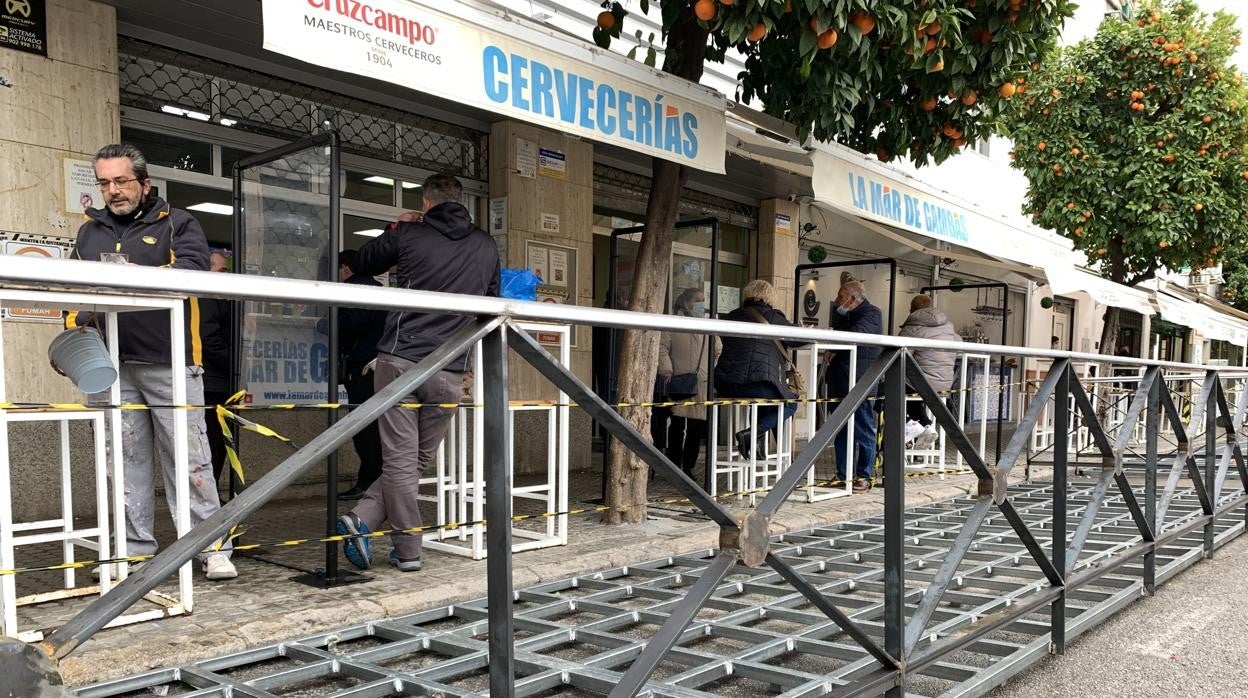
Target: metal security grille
[
  {"x": 756, "y": 636},
  {"x": 615, "y": 186},
  {"x": 156, "y": 78}
]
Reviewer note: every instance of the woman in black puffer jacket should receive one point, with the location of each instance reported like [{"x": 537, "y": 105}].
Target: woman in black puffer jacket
[{"x": 753, "y": 367}]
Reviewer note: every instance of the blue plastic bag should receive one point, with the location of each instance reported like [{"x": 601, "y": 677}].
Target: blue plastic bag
[{"x": 518, "y": 284}]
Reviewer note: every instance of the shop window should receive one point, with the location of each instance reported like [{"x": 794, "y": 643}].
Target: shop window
[
  {"x": 413, "y": 196},
  {"x": 171, "y": 151},
  {"x": 375, "y": 189},
  {"x": 357, "y": 230},
  {"x": 211, "y": 207},
  {"x": 229, "y": 156}
]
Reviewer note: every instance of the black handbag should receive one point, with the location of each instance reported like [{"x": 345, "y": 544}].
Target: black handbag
[{"x": 683, "y": 386}]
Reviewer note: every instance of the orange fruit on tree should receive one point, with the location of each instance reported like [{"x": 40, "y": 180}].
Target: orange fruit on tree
[
  {"x": 726, "y": 2},
  {"x": 932, "y": 29},
  {"x": 949, "y": 129},
  {"x": 929, "y": 45},
  {"x": 758, "y": 32},
  {"x": 864, "y": 21},
  {"x": 928, "y": 104},
  {"x": 705, "y": 10},
  {"x": 1079, "y": 232},
  {"x": 1198, "y": 206},
  {"x": 827, "y": 39},
  {"x": 940, "y": 65},
  {"x": 1070, "y": 205},
  {"x": 1041, "y": 146},
  {"x": 1007, "y": 90},
  {"x": 1137, "y": 95},
  {"x": 1207, "y": 119},
  {"x": 1074, "y": 151},
  {"x": 1163, "y": 244},
  {"x": 606, "y": 20},
  {"x": 969, "y": 98}
]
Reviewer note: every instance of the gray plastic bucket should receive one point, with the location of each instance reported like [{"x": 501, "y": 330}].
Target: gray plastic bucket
[{"x": 81, "y": 355}]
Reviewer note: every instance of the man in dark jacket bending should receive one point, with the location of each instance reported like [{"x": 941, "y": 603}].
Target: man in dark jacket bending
[
  {"x": 852, "y": 312},
  {"x": 443, "y": 251}
]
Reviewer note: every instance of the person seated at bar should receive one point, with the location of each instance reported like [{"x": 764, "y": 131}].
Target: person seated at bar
[{"x": 754, "y": 367}]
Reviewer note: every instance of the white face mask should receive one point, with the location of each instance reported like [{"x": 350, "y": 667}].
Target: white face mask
[{"x": 697, "y": 309}]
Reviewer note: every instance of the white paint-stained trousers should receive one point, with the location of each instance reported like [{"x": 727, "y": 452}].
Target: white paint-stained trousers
[{"x": 147, "y": 439}]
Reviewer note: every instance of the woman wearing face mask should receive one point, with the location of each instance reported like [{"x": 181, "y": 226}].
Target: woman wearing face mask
[
  {"x": 685, "y": 354},
  {"x": 754, "y": 367}
]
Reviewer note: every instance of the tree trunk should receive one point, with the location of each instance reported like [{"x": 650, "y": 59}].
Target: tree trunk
[{"x": 639, "y": 350}]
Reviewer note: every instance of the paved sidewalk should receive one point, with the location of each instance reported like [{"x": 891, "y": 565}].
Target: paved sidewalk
[
  {"x": 1188, "y": 640},
  {"x": 264, "y": 606}
]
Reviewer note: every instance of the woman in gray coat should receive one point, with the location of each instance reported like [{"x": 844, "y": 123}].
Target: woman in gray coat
[
  {"x": 686, "y": 353},
  {"x": 926, "y": 322}
]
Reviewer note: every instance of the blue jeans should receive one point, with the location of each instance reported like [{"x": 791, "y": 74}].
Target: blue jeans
[
  {"x": 864, "y": 443},
  {"x": 768, "y": 415}
]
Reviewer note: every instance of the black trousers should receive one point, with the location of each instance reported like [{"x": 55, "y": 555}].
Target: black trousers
[
  {"x": 659, "y": 418},
  {"x": 216, "y": 439},
  {"x": 684, "y": 442},
  {"x": 368, "y": 440}
]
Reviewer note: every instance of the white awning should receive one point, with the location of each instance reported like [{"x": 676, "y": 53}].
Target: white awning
[
  {"x": 872, "y": 190},
  {"x": 1210, "y": 323},
  {"x": 1066, "y": 279}
]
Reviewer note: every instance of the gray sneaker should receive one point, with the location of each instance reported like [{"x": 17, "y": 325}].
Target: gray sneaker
[{"x": 403, "y": 565}]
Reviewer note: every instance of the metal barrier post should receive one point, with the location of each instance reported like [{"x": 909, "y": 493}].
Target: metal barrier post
[
  {"x": 1061, "y": 443},
  {"x": 498, "y": 473},
  {"x": 1152, "y": 422},
  {"x": 1211, "y": 462},
  {"x": 895, "y": 516}
]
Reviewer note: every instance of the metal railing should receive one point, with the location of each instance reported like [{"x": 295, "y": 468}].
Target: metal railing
[{"x": 906, "y": 647}]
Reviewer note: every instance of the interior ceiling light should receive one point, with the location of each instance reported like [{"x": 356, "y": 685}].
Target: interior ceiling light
[
  {"x": 370, "y": 233},
  {"x": 179, "y": 111},
  {"x": 208, "y": 207},
  {"x": 377, "y": 179}
]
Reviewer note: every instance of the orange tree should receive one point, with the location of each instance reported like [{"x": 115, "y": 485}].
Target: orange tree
[
  {"x": 1135, "y": 144},
  {"x": 921, "y": 78}
]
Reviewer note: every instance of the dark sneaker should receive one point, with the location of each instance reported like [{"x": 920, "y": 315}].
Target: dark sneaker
[
  {"x": 359, "y": 551},
  {"x": 351, "y": 494},
  {"x": 861, "y": 485},
  {"x": 403, "y": 565}
]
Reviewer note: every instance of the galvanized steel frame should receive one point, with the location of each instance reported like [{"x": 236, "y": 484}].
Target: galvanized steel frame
[{"x": 908, "y": 648}]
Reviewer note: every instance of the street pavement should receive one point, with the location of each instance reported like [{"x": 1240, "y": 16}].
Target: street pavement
[{"x": 1191, "y": 639}]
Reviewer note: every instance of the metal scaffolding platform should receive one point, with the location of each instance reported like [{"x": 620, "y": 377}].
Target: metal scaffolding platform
[{"x": 756, "y": 636}]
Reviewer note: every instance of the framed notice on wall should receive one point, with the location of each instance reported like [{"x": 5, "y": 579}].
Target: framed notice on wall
[
  {"x": 556, "y": 266},
  {"x": 36, "y": 246},
  {"x": 24, "y": 26}
]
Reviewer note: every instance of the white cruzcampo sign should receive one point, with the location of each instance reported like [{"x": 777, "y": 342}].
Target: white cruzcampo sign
[{"x": 507, "y": 67}]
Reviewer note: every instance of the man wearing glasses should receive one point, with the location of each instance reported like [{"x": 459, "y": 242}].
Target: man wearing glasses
[{"x": 137, "y": 227}]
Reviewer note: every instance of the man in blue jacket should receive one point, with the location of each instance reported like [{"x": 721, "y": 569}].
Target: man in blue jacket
[
  {"x": 137, "y": 223},
  {"x": 442, "y": 251},
  {"x": 852, "y": 312}
]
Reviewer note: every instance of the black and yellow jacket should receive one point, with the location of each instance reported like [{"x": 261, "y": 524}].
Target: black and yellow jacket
[{"x": 160, "y": 236}]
